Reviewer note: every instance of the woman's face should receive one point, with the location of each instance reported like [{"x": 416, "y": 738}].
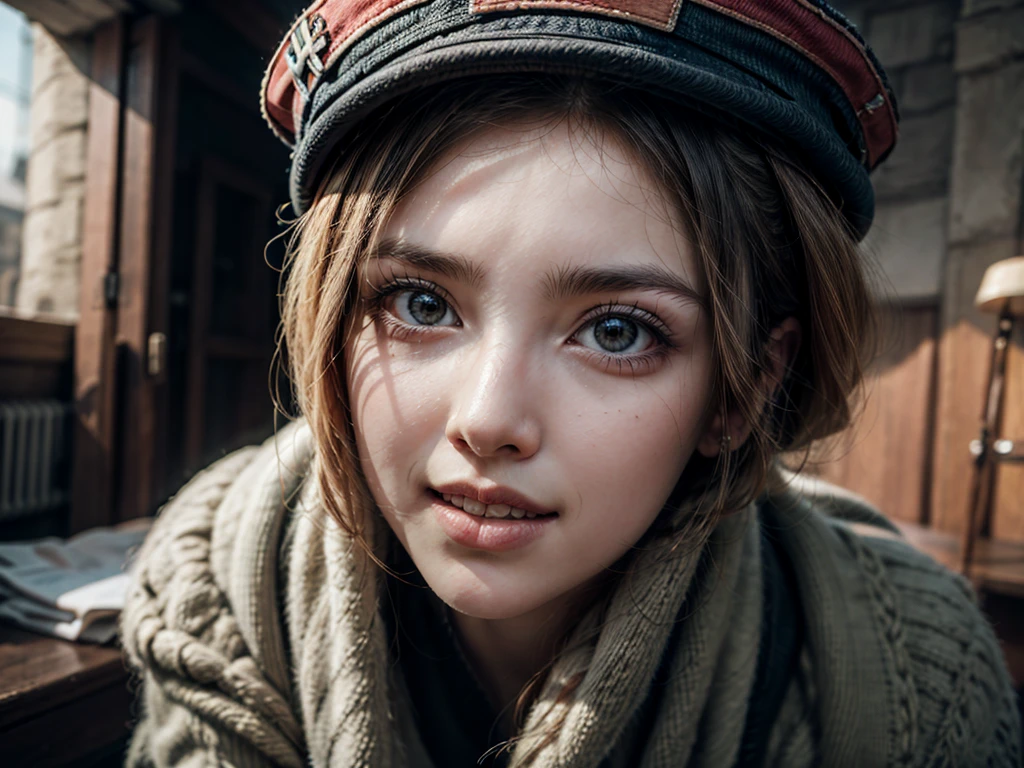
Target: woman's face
[{"x": 534, "y": 371}]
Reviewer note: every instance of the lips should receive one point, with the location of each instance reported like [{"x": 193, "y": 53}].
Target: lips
[
  {"x": 490, "y": 534},
  {"x": 493, "y": 518}
]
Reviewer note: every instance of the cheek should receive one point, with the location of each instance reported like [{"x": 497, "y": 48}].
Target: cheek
[
  {"x": 627, "y": 456},
  {"x": 395, "y": 404}
]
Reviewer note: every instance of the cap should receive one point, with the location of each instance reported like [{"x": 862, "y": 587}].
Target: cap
[{"x": 794, "y": 69}]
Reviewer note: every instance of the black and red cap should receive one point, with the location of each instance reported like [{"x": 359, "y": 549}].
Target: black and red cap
[{"x": 794, "y": 69}]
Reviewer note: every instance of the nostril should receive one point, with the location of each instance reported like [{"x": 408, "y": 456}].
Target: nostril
[{"x": 498, "y": 435}]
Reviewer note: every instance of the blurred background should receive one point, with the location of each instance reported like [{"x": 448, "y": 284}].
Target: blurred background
[{"x": 138, "y": 188}]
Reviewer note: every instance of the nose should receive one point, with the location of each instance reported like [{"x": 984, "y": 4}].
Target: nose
[{"x": 492, "y": 412}]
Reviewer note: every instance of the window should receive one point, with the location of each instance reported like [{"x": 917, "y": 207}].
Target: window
[{"x": 15, "y": 96}]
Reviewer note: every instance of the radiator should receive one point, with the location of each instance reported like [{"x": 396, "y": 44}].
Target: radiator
[{"x": 34, "y": 468}]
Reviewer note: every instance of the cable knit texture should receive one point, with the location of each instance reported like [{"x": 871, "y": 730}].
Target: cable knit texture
[{"x": 253, "y": 624}]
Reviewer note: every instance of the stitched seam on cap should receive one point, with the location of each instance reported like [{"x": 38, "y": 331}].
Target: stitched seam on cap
[
  {"x": 476, "y": 7},
  {"x": 265, "y": 84}
]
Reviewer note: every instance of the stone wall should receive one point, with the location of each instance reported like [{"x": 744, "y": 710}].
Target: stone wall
[
  {"x": 914, "y": 42},
  {"x": 55, "y": 189}
]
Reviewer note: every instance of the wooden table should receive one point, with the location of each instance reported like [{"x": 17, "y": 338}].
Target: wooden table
[
  {"x": 998, "y": 565},
  {"x": 61, "y": 703}
]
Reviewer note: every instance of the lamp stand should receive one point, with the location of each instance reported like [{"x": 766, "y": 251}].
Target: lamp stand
[{"x": 979, "y": 511}]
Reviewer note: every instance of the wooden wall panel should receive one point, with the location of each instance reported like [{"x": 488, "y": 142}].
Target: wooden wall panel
[
  {"x": 35, "y": 357},
  {"x": 1008, "y": 498},
  {"x": 885, "y": 455},
  {"x": 986, "y": 217},
  {"x": 964, "y": 353}
]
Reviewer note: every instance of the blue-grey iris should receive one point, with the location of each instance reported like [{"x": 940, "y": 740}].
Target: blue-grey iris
[
  {"x": 426, "y": 308},
  {"x": 615, "y": 334}
]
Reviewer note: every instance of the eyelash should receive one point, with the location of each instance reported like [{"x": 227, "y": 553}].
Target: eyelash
[
  {"x": 640, "y": 362},
  {"x": 396, "y": 327}
]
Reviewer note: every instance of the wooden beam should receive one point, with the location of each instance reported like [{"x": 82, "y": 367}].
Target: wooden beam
[
  {"x": 79, "y": 17},
  {"x": 33, "y": 340},
  {"x": 35, "y": 357},
  {"x": 95, "y": 375},
  {"x": 61, "y": 18},
  {"x": 147, "y": 179}
]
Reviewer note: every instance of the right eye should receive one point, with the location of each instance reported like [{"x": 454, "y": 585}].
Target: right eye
[{"x": 419, "y": 307}]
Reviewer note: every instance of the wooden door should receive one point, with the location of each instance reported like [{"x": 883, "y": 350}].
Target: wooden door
[
  {"x": 227, "y": 400},
  {"x": 120, "y": 371}
]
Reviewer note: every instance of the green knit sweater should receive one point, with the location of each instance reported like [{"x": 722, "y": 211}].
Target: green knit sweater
[{"x": 255, "y": 626}]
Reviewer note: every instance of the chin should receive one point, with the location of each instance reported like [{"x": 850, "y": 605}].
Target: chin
[{"x": 463, "y": 589}]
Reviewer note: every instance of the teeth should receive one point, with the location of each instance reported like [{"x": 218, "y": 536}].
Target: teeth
[
  {"x": 473, "y": 507},
  {"x": 498, "y": 511}
]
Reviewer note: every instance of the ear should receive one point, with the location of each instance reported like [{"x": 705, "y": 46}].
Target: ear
[{"x": 783, "y": 345}]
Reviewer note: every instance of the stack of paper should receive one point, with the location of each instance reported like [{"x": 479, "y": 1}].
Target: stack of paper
[{"x": 72, "y": 589}]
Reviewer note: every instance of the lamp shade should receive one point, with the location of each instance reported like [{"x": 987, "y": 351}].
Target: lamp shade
[{"x": 1003, "y": 281}]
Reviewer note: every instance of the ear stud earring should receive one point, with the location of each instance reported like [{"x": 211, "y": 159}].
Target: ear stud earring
[{"x": 726, "y": 442}]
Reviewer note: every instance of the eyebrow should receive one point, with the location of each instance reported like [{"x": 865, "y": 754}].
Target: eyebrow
[
  {"x": 448, "y": 264},
  {"x": 565, "y": 282},
  {"x": 580, "y": 280}
]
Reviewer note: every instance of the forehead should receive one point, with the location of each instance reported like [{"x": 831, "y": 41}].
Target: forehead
[{"x": 537, "y": 195}]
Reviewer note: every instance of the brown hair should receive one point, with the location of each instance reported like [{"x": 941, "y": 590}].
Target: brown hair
[
  {"x": 768, "y": 239},
  {"x": 769, "y": 242}
]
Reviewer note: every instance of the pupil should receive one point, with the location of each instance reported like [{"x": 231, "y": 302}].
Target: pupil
[
  {"x": 427, "y": 308},
  {"x": 615, "y": 333}
]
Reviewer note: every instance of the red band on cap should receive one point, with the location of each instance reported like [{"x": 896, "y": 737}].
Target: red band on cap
[
  {"x": 661, "y": 14},
  {"x": 828, "y": 44}
]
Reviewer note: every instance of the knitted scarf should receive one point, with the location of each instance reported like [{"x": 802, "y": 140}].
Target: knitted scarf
[{"x": 255, "y": 624}]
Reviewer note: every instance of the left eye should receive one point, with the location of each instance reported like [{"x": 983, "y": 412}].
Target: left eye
[
  {"x": 419, "y": 307},
  {"x": 615, "y": 335}
]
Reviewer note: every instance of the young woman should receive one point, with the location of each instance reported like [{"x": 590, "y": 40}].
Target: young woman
[{"x": 567, "y": 279}]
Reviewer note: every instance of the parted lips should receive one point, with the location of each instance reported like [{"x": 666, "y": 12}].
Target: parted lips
[{"x": 796, "y": 69}]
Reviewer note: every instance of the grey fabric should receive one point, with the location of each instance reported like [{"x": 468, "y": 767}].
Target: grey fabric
[{"x": 899, "y": 667}]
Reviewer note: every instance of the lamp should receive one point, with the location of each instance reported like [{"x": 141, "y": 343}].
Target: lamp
[{"x": 1002, "y": 293}]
